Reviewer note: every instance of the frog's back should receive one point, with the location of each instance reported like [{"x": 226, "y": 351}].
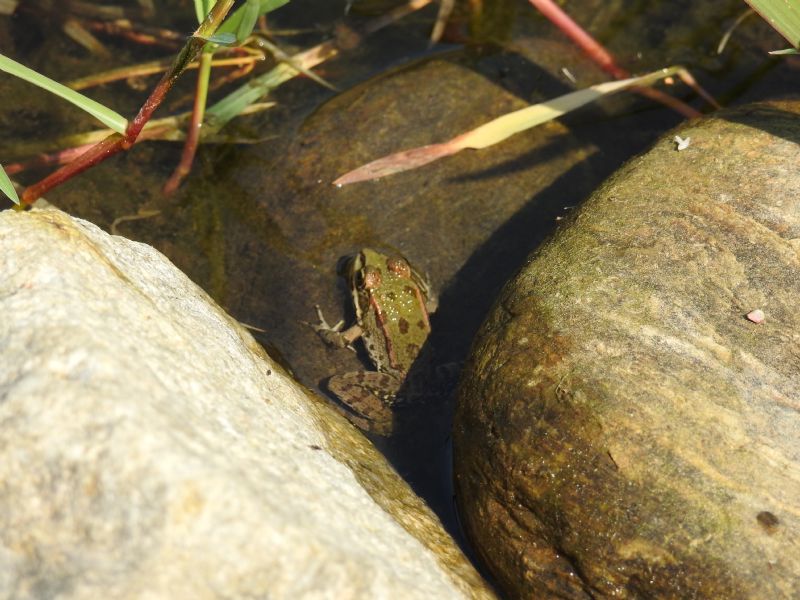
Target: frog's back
[{"x": 396, "y": 322}]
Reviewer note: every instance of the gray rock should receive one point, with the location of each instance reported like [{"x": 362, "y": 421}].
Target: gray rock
[
  {"x": 624, "y": 429},
  {"x": 149, "y": 447}
]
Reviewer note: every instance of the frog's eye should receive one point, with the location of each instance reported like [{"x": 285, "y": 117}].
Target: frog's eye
[
  {"x": 369, "y": 278},
  {"x": 399, "y": 265}
]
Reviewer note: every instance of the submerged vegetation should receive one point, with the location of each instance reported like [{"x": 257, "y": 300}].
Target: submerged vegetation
[{"x": 242, "y": 38}]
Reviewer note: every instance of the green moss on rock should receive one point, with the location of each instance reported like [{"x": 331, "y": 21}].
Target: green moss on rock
[{"x": 621, "y": 424}]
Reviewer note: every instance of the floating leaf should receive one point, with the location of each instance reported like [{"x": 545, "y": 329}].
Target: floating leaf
[
  {"x": 7, "y": 187},
  {"x": 499, "y": 129},
  {"x": 105, "y": 115}
]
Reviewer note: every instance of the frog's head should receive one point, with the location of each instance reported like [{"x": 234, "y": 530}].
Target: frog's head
[{"x": 368, "y": 269}]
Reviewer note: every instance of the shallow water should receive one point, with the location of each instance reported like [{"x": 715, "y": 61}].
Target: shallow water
[{"x": 261, "y": 228}]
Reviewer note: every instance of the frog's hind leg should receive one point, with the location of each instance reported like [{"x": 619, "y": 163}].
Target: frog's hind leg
[{"x": 370, "y": 396}]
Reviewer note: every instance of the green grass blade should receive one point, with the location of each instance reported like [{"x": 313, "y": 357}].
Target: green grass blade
[
  {"x": 7, "y": 187},
  {"x": 202, "y": 8},
  {"x": 198, "y": 10},
  {"x": 248, "y": 21},
  {"x": 783, "y": 15},
  {"x": 237, "y": 101},
  {"x": 232, "y": 23},
  {"x": 108, "y": 117}
]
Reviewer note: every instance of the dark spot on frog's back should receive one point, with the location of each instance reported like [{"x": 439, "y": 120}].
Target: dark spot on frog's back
[
  {"x": 412, "y": 349},
  {"x": 353, "y": 390},
  {"x": 768, "y": 521},
  {"x": 402, "y": 324},
  {"x": 422, "y": 324}
]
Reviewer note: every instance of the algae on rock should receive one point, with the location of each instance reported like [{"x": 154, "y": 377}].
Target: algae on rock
[{"x": 623, "y": 430}]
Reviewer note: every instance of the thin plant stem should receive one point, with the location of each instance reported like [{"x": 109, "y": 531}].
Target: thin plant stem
[
  {"x": 193, "y": 133},
  {"x": 605, "y": 60},
  {"x": 79, "y": 34},
  {"x": 48, "y": 160},
  {"x": 155, "y": 67},
  {"x": 146, "y": 36},
  {"x": 580, "y": 37}
]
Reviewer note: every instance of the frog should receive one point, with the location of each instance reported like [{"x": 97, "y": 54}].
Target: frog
[{"x": 393, "y": 303}]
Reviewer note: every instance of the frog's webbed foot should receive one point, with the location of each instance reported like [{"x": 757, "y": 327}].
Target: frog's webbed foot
[
  {"x": 370, "y": 396},
  {"x": 333, "y": 334}
]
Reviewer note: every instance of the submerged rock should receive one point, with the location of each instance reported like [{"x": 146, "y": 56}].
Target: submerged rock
[
  {"x": 149, "y": 447},
  {"x": 624, "y": 429}
]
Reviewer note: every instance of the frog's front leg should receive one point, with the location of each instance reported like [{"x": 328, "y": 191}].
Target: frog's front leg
[
  {"x": 333, "y": 334},
  {"x": 370, "y": 395}
]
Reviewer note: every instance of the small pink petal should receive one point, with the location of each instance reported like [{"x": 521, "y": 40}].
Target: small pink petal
[{"x": 756, "y": 316}]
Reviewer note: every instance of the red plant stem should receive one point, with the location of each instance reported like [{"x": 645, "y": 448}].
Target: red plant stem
[
  {"x": 603, "y": 57},
  {"x": 47, "y": 159},
  {"x": 672, "y": 102},
  {"x": 116, "y": 143},
  {"x": 67, "y": 155},
  {"x": 110, "y": 146},
  {"x": 186, "y": 55},
  {"x": 94, "y": 155},
  {"x": 581, "y": 38},
  {"x": 193, "y": 134}
]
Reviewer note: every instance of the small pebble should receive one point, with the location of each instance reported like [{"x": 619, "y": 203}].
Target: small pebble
[{"x": 756, "y": 316}]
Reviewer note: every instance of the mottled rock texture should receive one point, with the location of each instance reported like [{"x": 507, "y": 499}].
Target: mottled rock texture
[
  {"x": 623, "y": 429},
  {"x": 149, "y": 448}
]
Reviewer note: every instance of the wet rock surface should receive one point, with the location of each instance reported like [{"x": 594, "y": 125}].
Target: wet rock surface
[
  {"x": 623, "y": 429},
  {"x": 149, "y": 447}
]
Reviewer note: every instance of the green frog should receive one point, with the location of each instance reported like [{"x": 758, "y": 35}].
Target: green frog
[{"x": 392, "y": 303}]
